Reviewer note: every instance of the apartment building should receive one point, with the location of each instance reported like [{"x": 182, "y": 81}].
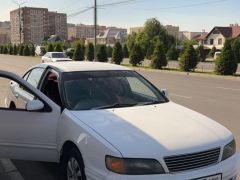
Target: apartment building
[
  {"x": 5, "y": 35},
  {"x": 136, "y": 30},
  {"x": 82, "y": 31},
  {"x": 36, "y": 24}
]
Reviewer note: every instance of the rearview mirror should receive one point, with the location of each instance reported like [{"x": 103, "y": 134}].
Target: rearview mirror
[
  {"x": 165, "y": 92},
  {"x": 34, "y": 105}
]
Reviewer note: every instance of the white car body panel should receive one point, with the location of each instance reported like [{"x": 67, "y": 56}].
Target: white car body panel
[{"x": 156, "y": 130}]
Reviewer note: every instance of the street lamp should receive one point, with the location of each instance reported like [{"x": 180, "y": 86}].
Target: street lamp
[{"x": 19, "y": 16}]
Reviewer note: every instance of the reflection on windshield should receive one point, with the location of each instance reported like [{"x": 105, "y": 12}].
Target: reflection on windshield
[{"x": 108, "y": 89}]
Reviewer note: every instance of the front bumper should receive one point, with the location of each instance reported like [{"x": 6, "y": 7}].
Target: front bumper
[{"x": 229, "y": 168}]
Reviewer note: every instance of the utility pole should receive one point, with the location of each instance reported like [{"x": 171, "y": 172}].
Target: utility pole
[{"x": 95, "y": 30}]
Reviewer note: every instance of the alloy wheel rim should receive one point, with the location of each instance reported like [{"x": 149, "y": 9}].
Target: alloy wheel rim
[{"x": 73, "y": 170}]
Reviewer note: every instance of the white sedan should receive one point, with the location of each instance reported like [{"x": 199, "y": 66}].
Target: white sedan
[
  {"x": 107, "y": 122},
  {"x": 55, "y": 57}
]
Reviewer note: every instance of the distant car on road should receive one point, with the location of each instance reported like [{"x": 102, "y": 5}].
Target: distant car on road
[
  {"x": 107, "y": 122},
  {"x": 55, "y": 57}
]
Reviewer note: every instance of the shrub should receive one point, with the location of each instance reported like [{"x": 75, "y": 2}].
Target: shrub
[
  {"x": 109, "y": 51},
  {"x": 102, "y": 54},
  {"x": 90, "y": 52},
  {"x": 172, "y": 53},
  {"x": 58, "y": 48},
  {"x": 10, "y": 49},
  {"x": 226, "y": 64},
  {"x": 158, "y": 58},
  {"x": 32, "y": 50},
  {"x": 212, "y": 52},
  {"x": 15, "y": 50},
  {"x": 189, "y": 59},
  {"x": 117, "y": 54},
  {"x": 26, "y": 50},
  {"x": 125, "y": 51},
  {"x": 136, "y": 56},
  {"x": 5, "y": 50},
  {"x": 78, "y": 54},
  {"x": 50, "y": 48}
]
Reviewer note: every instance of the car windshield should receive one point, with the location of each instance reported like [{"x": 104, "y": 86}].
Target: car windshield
[
  {"x": 58, "y": 55},
  {"x": 108, "y": 89}
]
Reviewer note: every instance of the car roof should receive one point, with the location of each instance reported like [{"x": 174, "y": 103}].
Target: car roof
[{"x": 72, "y": 66}]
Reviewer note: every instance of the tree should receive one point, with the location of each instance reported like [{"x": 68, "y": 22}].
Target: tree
[
  {"x": 58, "y": 48},
  {"x": 78, "y": 54},
  {"x": 212, "y": 52},
  {"x": 125, "y": 51},
  {"x": 90, "y": 52},
  {"x": 21, "y": 48},
  {"x": 109, "y": 51},
  {"x": 10, "y": 49},
  {"x": 15, "y": 50},
  {"x": 117, "y": 54},
  {"x": 50, "y": 48},
  {"x": 189, "y": 59},
  {"x": 32, "y": 50},
  {"x": 102, "y": 54},
  {"x": 26, "y": 50},
  {"x": 172, "y": 53},
  {"x": 226, "y": 63},
  {"x": 5, "y": 50},
  {"x": 202, "y": 53},
  {"x": 158, "y": 58},
  {"x": 131, "y": 40},
  {"x": 136, "y": 56},
  {"x": 236, "y": 49}
]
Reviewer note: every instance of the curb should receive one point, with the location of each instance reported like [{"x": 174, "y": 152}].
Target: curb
[{"x": 8, "y": 171}]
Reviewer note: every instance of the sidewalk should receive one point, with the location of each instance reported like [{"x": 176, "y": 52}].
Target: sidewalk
[{"x": 8, "y": 171}]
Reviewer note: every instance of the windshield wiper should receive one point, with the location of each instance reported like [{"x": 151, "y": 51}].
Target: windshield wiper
[
  {"x": 150, "y": 103},
  {"x": 115, "y": 105}
]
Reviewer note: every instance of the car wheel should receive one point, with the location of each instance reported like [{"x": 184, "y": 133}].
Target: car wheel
[{"x": 73, "y": 166}]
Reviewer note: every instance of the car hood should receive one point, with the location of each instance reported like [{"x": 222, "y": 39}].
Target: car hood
[
  {"x": 163, "y": 129},
  {"x": 61, "y": 59}
]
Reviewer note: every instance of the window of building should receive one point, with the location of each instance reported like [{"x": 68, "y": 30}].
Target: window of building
[
  {"x": 211, "y": 41},
  {"x": 220, "y": 41}
]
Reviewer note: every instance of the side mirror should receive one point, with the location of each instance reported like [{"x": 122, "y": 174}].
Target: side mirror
[
  {"x": 165, "y": 92},
  {"x": 34, "y": 105}
]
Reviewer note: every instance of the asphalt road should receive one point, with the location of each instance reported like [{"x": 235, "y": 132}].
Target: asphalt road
[{"x": 216, "y": 98}]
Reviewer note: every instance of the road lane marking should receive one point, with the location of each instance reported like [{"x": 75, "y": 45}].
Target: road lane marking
[
  {"x": 177, "y": 95},
  {"x": 228, "y": 89}
]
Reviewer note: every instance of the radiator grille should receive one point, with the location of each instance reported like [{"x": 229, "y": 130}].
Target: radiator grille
[{"x": 192, "y": 161}]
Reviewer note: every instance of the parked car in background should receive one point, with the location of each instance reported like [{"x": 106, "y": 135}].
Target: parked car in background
[
  {"x": 55, "y": 57},
  {"x": 107, "y": 122},
  {"x": 39, "y": 51},
  {"x": 216, "y": 55}
]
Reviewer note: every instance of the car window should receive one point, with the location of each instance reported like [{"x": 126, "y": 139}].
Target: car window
[
  {"x": 35, "y": 76},
  {"x": 58, "y": 55},
  {"x": 12, "y": 97}
]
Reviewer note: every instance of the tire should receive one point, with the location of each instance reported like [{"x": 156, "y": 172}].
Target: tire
[{"x": 73, "y": 166}]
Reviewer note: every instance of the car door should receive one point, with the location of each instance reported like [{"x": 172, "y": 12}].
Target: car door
[{"x": 26, "y": 134}]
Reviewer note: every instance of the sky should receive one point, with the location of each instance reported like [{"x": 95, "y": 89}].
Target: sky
[{"x": 189, "y": 15}]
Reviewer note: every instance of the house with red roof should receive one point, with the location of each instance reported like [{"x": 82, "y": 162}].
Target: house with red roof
[{"x": 218, "y": 35}]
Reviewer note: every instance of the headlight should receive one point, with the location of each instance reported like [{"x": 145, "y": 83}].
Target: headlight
[
  {"x": 229, "y": 150},
  {"x": 131, "y": 166}
]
